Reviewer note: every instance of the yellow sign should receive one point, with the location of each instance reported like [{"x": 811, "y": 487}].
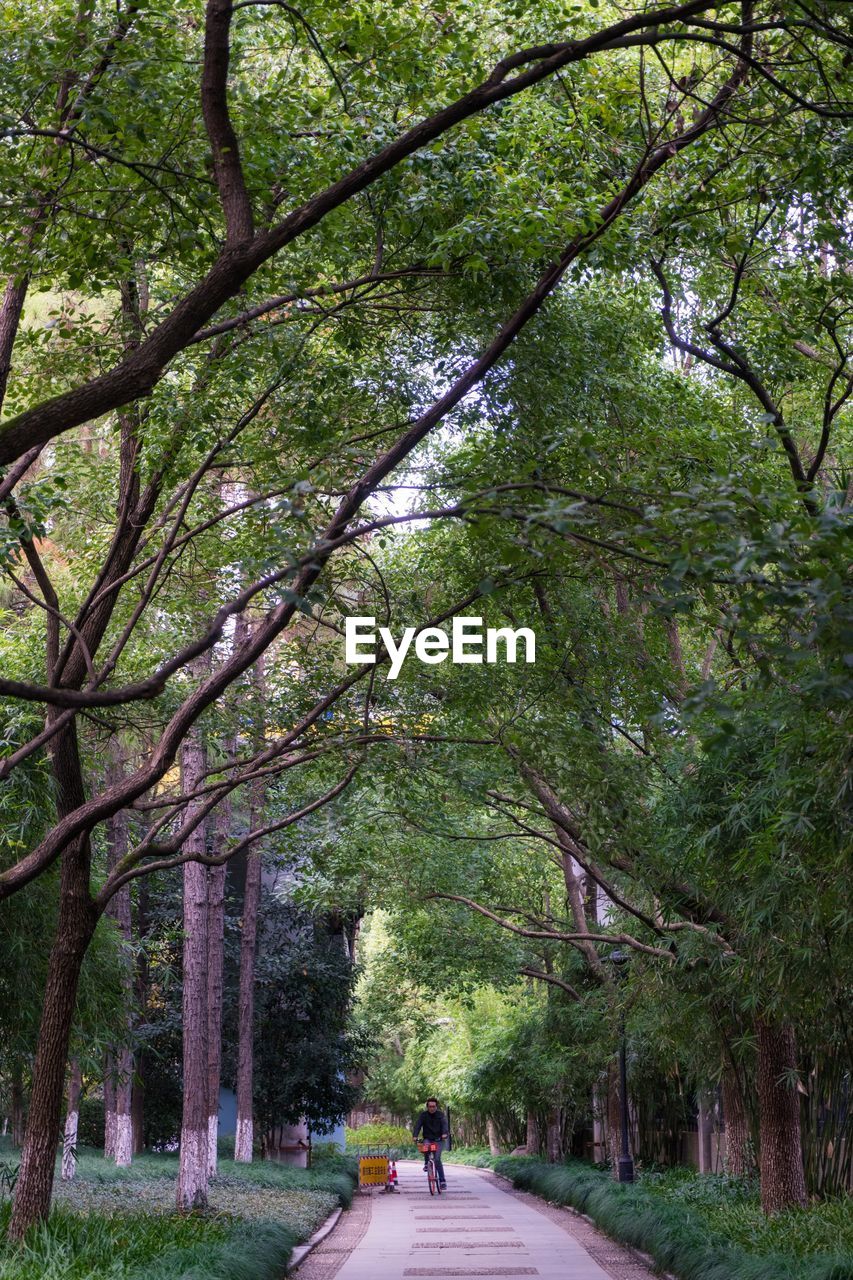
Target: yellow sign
[{"x": 372, "y": 1171}]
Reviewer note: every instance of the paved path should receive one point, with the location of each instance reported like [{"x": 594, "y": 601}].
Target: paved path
[{"x": 478, "y": 1228}]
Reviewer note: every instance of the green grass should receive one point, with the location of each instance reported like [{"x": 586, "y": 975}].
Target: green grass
[
  {"x": 120, "y": 1224},
  {"x": 731, "y": 1206},
  {"x": 697, "y": 1228},
  {"x": 479, "y": 1157}
]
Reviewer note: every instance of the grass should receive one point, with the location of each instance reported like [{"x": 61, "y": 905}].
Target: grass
[
  {"x": 731, "y": 1206},
  {"x": 120, "y": 1224},
  {"x": 697, "y": 1228},
  {"x": 479, "y": 1157}
]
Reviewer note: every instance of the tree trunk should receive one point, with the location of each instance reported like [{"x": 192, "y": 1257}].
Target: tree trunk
[
  {"x": 577, "y": 906},
  {"x": 72, "y": 1120},
  {"x": 215, "y": 951},
  {"x": 123, "y": 1153},
  {"x": 783, "y": 1182},
  {"x": 192, "y": 1175},
  {"x": 705, "y": 1129},
  {"x": 75, "y": 926},
  {"x": 494, "y": 1140},
  {"x": 248, "y": 941},
  {"x": 532, "y": 1140},
  {"x": 553, "y": 1137},
  {"x": 18, "y": 1109},
  {"x": 137, "y": 1101},
  {"x": 78, "y": 914},
  {"x": 118, "y": 1136},
  {"x": 614, "y": 1119},
  {"x": 599, "y": 1127},
  {"x": 11, "y": 309},
  {"x": 739, "y": 1159},
  {"x": 109, "y": 1106},
  {"x": 246, "y": 1016}
]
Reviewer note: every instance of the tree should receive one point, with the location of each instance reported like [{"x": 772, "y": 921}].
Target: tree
[{"x": 231, "y": 233}]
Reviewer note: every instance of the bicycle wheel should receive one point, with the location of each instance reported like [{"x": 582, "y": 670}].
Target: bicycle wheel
[
  {"x": 431, "y": 1176},
  {"x": 437, "y": 1183}
]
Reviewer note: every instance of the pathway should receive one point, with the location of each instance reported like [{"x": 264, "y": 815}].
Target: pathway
[{"x": 479, "y": 1228}]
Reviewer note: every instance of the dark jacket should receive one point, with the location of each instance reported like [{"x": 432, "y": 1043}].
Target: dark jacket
[{"x": 433, "y": 1124}]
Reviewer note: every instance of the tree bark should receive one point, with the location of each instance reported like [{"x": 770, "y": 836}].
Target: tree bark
[
  {"x": 75, "y": 927},
  {"x": 11, "y": 308},
  {"x": 532, "y": 1140},
  {"x": 123, "y": 1152},
  {"x": 614, "y": 1119},
  {"x": 215, "y": 953},
  {"x": 248, "y": 942},
  {"x": 494, "y": 1140},
  {"x": 577, "y": 906},
  {"x": 705, "y": 1129},
  {"x": 118, "y": 1134},
  {"x": 137, "y": 1101},
  {"x": 18, "y": 1107},
  {"x": 783, "y": 1181},
  {"x": 78, "y": 913},
  {"x": 72, "y": 1121},
  {"x": 192, "y": 1174},
  {"x": 739, "y": 1159},
  {"x": 553, "y": 1137},
  {"x": 599, "y": 1127},
  {"x": 109, "y": 1106}
]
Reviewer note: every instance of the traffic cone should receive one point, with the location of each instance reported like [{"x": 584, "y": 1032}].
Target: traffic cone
[{"x": 393, "y": 1184}]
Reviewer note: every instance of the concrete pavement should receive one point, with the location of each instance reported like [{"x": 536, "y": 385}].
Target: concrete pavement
[{"x": 476, "y": 1229}]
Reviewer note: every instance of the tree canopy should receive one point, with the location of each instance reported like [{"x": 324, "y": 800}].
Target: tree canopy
[{"x": 532, "y": 312}]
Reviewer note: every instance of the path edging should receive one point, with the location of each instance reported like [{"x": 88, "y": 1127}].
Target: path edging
[
  {"x": 300, "y": 1253},
  {"x": 646, "y": 1259}
]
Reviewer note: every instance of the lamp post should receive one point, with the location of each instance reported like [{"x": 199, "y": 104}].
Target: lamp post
[{"x": 625, "y": 1164}]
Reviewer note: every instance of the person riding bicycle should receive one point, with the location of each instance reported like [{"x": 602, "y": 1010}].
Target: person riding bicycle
[{"x": 433, "y": 1125}]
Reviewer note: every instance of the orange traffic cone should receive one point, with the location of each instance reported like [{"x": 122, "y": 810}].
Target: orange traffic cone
[{"x": 393, "y": 1184}]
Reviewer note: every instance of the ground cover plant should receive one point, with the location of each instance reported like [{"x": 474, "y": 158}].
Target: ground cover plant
[
  {"x": 705, "y": 1227},
  {"x": 114, "y": 1223}
]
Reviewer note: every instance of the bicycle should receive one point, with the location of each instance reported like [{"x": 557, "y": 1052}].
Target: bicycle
[{"x": 428, "y": 1149}]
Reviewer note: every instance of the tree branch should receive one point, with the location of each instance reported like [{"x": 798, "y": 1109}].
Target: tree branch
[
  {"x": 139, "y": 373},
  {"x": 550, "y": 977},
  {"x": 227, "y": 169},
  {"x": 576, "y": 939}
]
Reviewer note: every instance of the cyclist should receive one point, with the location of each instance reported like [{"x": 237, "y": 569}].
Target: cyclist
[{"x": 433, "y": 1124}]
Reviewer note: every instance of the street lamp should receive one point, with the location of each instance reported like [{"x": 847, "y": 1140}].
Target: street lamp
[{"x": 625, "y": 1165}]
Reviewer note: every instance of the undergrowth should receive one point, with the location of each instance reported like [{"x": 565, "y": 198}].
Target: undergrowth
[
  {"x": 119, "y": 1224},
  {"x": 696, "y": 1227}
]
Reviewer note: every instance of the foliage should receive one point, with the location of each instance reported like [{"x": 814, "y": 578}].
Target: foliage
[
  {"x": 477, "y": 1157},
  {"x": 731, "y": 1206},
  {"x": 91, "y": 1122},
  {"x": 258, "y": 1212},
  {"x": 304, "y": 1046},
  {"x": 687, "y": 1238},
  {"x": 378, "y": 1135},
  {"x": 653, "y": 477}
]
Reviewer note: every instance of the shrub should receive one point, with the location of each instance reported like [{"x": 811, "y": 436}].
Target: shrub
[
  {"x": 328, "y": 1157},
  {"x": 678, "y": 1234},
  {"x": 258, "y": 1213},
  {"x": 478, "y": 1157},
  {"x": 379, "y": 1135}
]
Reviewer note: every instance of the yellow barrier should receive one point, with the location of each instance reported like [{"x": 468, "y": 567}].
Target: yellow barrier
[{"x": 373, "y": 1171}]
